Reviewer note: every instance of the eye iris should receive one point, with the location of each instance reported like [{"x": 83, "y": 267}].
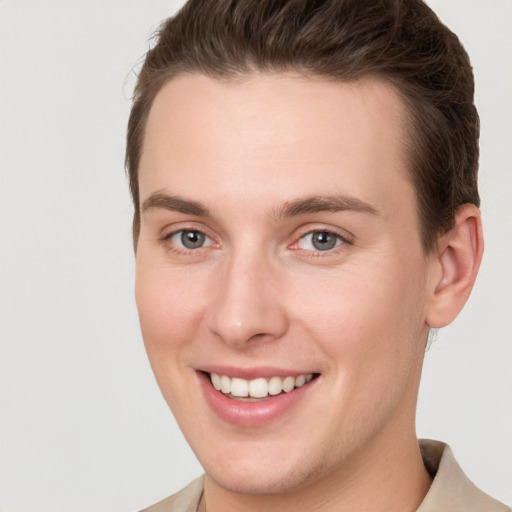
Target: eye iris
[
  {"x": 192, "y": 239},
  {"x": 323, "y": 240}
]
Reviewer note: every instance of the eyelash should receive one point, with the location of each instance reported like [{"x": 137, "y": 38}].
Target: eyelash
[
  {"x": 171, "y": 247},
  {"x": 340, "y": 242}
]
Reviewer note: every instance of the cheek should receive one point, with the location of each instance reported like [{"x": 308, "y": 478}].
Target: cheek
[
  {"x": 367, "y": 320},
  {"x": 169, "y": 304},
  {"x": 369, "y": 326},
  {"x": 169, "y": 307}
]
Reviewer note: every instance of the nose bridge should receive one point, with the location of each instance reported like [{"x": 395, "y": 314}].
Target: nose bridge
[{"x": 246, "y": 303}]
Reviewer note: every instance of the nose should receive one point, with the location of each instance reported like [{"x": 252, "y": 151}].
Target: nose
[{"x": 246, "y": 304}]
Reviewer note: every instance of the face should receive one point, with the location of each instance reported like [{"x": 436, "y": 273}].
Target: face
[{"x": 280, "y": 260}]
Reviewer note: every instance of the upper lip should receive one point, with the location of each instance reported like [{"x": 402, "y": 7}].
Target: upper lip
[{"x": 254, "y": 372}]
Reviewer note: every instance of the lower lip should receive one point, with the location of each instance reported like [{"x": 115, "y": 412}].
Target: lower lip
[{"x": 250, "y": 414}]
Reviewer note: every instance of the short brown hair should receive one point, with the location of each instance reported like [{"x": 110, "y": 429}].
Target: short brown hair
[{"x": 400, "y": 41}]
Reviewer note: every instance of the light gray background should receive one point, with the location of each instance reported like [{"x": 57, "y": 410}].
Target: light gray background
[{"x": 83, "y": 426}]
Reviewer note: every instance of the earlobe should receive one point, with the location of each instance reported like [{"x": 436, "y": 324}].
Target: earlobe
[{"x": 458, "y": 261}]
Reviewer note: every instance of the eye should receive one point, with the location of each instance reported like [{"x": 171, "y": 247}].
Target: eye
[
  {"x": 189, "y": 239},
  {"x": 320, "y": 241}
]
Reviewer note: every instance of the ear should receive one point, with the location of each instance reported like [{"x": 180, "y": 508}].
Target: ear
[{"x": 457, "y": 261}]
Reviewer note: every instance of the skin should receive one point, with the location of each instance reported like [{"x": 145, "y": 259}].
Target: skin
[{"x": 258, "y": 293}]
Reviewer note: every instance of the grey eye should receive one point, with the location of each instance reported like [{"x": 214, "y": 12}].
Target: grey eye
[
  {"x": 320, "y": 241},
  {"x": 323, "y": 241},
  {"x": 191, "y": 239}
]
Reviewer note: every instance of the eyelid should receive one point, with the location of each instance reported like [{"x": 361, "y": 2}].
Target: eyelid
[
  {"x": 345, "y": 237},
  {"x": 175, "y": 227},
  {"x": 170, "y": 231},
  {"x": 173, "y": 232}
]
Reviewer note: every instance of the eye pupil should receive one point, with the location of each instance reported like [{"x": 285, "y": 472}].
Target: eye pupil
[
  {"x": 192, "y": 239},
  {"x": 323, "y": 240}
]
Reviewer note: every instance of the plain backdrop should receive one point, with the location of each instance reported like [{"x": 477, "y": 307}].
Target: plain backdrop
[{"x": 83, "y": 425}]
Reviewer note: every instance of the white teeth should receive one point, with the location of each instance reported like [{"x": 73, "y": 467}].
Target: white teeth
[
  {"x": 257, "y": 388},
  {"x": 239, "y": 387},
  {"x": 216, "y": 381},
  {"x": 225, "y": 384},
  {"x": 288, "y": 384},
  {"x": 275, "y": 386},
  {"x": 300, "y": 381}
]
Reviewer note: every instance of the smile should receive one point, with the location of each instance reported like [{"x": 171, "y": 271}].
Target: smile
[
  {"x": 257, "y": 388},
  {"x": 255, "y": 397}
]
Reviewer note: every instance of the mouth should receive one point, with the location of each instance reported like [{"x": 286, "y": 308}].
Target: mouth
[
  {"x": 262, "y": 398},
  {"x": 258, "y": 388}
]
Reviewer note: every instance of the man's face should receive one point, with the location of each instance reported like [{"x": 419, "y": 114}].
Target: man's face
[{"x": 280, "y": 238}]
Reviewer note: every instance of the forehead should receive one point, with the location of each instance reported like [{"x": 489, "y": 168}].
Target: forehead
[{"x": 295, "y": 134}]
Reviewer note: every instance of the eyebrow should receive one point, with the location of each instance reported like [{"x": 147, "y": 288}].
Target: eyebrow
[
  {"x": 302, "y": 206},
  {"x": 175, "y": 204},
  {"x": 317, "y": 204}
]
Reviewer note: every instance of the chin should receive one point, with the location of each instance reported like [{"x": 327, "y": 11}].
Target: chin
[
  {"x": 269, "y": 476},
  {"x": 275, "y": 483}
]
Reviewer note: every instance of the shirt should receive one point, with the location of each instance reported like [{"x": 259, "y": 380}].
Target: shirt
[{"x": 451, "y": 489}]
